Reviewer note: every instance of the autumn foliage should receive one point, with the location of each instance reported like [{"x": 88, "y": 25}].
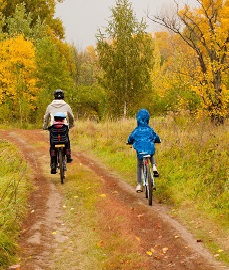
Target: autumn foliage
[
  {"x": 18, "y": 84},
  {"x": 185, "y": 69}
]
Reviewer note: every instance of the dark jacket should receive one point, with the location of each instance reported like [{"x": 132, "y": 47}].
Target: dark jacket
[{"x": 143, "y": 136}]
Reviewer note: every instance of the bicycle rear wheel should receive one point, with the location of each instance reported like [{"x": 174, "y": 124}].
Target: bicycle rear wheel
[
  {"x": 61, "y": 165},
  {"x": 149, "y": 186}
]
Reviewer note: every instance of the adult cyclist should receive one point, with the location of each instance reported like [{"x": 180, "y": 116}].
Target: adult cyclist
[{"x": 58, "y": 105}]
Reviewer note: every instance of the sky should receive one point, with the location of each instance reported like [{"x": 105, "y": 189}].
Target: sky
[{"x": 82, "y": 18}]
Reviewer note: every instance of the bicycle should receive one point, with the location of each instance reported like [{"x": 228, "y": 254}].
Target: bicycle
[{"x": 148, "y": 182}]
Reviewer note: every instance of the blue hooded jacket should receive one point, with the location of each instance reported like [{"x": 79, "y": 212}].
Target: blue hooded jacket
[{"x": 143, "y": 136}]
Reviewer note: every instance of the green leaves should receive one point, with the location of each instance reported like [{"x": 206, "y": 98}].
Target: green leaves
[{"x": 125, "y": 57}]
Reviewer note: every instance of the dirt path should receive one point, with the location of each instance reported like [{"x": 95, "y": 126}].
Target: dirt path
[{"x": 151, "y": 224}]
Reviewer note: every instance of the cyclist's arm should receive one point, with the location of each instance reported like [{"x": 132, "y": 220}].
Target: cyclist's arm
[
  {"x": 46, "y": 120},
  {"x": 157, "y": 139},
  {"x": 70, "y": 117}
]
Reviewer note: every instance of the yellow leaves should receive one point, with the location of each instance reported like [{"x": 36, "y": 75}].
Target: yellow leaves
[
  {"x": 17, "y": 67},
  {"x": 149, "y": 253},
  {"x": 157, "y": 252},
  {"x": 19, "y": 51},
  {"x": 218, "y": 252}
]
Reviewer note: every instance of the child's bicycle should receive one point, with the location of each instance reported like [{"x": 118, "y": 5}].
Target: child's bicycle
[{"x": 148, "y": 183}]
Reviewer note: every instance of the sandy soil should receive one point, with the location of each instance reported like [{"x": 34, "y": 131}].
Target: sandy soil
[{"x": 151, "y": 223}]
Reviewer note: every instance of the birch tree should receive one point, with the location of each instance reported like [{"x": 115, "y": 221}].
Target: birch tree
[
  {"x": 205, "y": 29},
  {"x": 125, "y": 55}
]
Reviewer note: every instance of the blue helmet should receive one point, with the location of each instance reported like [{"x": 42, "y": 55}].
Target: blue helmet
[{"x": 59, "y": 116}]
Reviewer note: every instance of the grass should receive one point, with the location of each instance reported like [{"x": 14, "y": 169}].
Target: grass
[
  {"x": 91, "y": 243},
  {"x": 79, "y": 216},
  {"x": 14, "y": 192},
  {"x": 193, "y": 163}
]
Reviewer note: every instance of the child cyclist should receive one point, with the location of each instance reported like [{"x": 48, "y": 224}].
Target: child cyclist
[{"x": 143, "y": 138}]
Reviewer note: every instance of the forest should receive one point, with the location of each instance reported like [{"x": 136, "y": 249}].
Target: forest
[
  {"x": 180, "y": 74},
  {"x": 183, "y": 68}
]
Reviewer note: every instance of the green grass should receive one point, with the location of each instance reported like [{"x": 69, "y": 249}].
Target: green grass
[
  {"x": 80, "y": 197},
  {"x": 14, "y": 192},
  {"x": 93, "y": 242},
  {"x": 193, "y": 164}
]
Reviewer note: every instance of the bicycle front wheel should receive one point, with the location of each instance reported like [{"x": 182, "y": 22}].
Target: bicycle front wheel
[
  {"x": 149, "y": 186},
  {"x": 61, "y": 164}
]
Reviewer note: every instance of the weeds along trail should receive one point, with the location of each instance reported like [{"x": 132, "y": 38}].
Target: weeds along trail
[
  {"x": 103, "y": 224},
  {"x": 37, "y": 241}
]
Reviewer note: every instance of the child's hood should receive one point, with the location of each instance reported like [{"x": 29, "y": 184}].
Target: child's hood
[{"x": 143, "y": 117}]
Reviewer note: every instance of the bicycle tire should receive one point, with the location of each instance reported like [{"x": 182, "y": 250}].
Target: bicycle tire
[
  {"x": 149, "y": 184},
  {"x": 144, "y": 175},
  {"x": 61, "y": 165},
  {"x": 146, "y": 185}
]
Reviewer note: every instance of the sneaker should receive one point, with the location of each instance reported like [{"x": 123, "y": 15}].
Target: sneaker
[
  {"x": 69, "y": 159},
  {"x": 139, "y": 188},
  {"x": 53, "y": 169},
  {"x": 155, "y": 172}
]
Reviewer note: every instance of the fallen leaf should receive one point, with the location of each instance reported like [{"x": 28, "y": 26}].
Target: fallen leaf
[
  {"x": 138, "y": 238},
  {"x": 103, "y": 195},
  {"x": 177, "y": 236},
  {"x": 54, "y": 233},
  {"x": 149, "y": 253},
  {"x": 100, "y": 244},
  {"x": 164, "y": 250},
  {"x": 220, "y": 250}
]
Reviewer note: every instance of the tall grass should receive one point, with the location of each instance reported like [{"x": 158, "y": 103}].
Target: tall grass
[
  {"x": 14, "y": 189},
  {"x": 192, "y": 161}
]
